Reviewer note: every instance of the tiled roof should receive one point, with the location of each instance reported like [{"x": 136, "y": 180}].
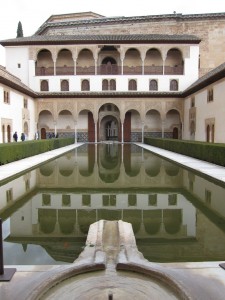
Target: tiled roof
[
  {"x": 209, "y": 78},
  {"x": 14, "y": 82},
  {"x": 109, "y": 94},
  {"x": 81, "y": 39},
  {"x": 124, "y": 20}
]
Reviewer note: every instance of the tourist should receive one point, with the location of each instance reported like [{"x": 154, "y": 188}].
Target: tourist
[
  {"x": 15, "y": 136},
  {"x": 22, "y": 137}
]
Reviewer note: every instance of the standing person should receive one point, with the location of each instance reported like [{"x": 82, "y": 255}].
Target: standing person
[
  {"x": 15, "y": 136},
  {"x": 22, "y": 137}
]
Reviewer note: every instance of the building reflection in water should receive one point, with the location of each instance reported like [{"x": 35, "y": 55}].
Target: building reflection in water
[{"x": 176, "y": 215}]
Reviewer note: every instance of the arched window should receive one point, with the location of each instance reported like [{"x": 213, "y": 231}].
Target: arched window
[
  {"x": 105, "y": 85},
  {"x": 44, "y": 85},
  {"x": 112, "y": 85},
  {"x": 173, "y": 85},
  {"x": 153, "y": 86},
  {"x": 85, "y": 85},
  {"x": 132, "y": 85},
  {"x": 64, "y": 85}
]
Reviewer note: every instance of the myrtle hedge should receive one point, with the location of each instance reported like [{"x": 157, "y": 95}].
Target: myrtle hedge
[
  {"x": 15, "y": 151},
  {"x": 210, "y": 152}
]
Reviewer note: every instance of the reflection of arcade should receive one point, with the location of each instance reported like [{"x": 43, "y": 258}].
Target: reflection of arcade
[
  {"x": 147, "y": 223},
  {"x": 110, "y": 164}
]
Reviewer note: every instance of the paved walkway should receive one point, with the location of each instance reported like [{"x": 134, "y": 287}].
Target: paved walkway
[
  {"x": 209, "y": 274},
  {"x": 8, "y": 171},
  {"x": 209, "y": 169}
]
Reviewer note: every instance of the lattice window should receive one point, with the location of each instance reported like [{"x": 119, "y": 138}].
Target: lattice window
[
  {"x": 64, "y": 85},
  {"x": 132, "y": 86},
  {"x": 85, "y": 85},
  {"x": 153, "y": 86},
  {"x": 105, "y": 85},
  {"x": 173, "y": 85},
  {"x": 44, "y": 86},
  {"x": 112, "y": 84}
]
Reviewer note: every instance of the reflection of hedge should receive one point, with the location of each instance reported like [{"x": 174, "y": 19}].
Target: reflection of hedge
[
  {"x": 213, "y": 153},
  {"x": 15, "y": 151}
]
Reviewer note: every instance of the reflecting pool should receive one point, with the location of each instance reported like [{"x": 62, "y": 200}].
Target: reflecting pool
[{"x": 176, "y": 215}]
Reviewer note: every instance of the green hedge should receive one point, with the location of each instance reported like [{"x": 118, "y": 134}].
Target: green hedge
[
  {"x": 15, "y": 151},
  {"x": 213, "y": 153}
]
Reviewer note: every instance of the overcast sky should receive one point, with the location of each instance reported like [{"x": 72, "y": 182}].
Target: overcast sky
[{"x": 33, "y": 14}]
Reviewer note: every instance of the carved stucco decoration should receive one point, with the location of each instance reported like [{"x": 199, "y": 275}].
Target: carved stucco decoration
[
  {"x": 153, "y": 105},
  {"x": 42, "y": 105},
  {"x": 65, "y": 105},
  {"x": 85, "y": 105},
  {"x": 174, "y": 105}
]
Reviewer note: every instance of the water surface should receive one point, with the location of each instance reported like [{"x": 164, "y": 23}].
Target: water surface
[{"x": 176, "y": 215}]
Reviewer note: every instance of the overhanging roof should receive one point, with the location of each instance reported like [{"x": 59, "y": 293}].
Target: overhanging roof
[{"x": 102, "y": 39}]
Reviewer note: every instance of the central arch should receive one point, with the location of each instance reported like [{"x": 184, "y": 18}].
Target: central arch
[
  {"x": 109, "y": 128},
  {"x": 109, "y": 123}
]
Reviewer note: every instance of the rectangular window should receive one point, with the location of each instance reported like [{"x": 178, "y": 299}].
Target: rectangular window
[
  {"x": 27, "y": 185},
  {"x": 105, "y": 200},
  {"x": 132, "y": 200},
  {"x": 152, "y": 200},
  {"x": 172, "y": 199},
  {"x": 46, "y": 200},
  {"x": 210, "y": 95},
  {"x": 86, "y": 200},
  {"x": 25, "y": 103},
  {"x": 109, "y": 200},
  {"x": 208, "y": 196},
  {"x": 6, "y": 97},
  {"x": 66, "y": 200},
  {"x": 9, "y": 195}
]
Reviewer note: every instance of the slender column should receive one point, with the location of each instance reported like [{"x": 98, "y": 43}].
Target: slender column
[
  {"x": 142, "y": 132},
  {"x": 75, "y": 66},
  {"x": 163, "y": 124},
  {"x": 75, "y": 132},
  {"x": 95, "y": 133},
  {"x": 96, "y": 66},
  {"x": 121, "y": 66},
  {"x": 122, "y": 153},
  {"x": 55, "y": 128},
  {"x": 122, "y": 133},
  {"x": 54, "y": 63}
]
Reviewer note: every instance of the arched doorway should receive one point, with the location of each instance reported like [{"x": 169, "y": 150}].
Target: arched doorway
[
  {"x": 43, "y": 133},
  {"x": 175, "y": 133},
  {"x": 109, "y": 128},
  {"x": 3, "y": 133},
  {"x": 8, "y": 134}
]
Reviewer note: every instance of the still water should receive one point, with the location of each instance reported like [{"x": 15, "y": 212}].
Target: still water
[{"x": 176, "y": 215}]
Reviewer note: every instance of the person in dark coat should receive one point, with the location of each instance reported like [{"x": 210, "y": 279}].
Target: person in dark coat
[
  {"x": 22, "y": 137},
  {"x": 15, "y": 136}
]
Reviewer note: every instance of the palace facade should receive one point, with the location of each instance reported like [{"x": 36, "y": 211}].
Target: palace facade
[{"x": 122, "y": 78}]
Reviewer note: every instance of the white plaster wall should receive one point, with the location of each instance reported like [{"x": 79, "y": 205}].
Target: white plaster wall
[
  {"x": 206, "y": 110},
  {"x": 191, "y": 72},
  {"x": 13, "y": 112},
  {"x": 15, "y": 56},
  {"x": 186, "y": 131},
  {"x": 32, "y": 124},
  {"x": 121, "y": 82}
]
